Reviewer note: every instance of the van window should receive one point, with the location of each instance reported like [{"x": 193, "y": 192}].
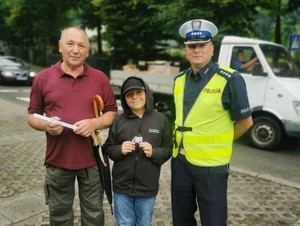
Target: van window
[
  {"x": 243, "y": 59},
  {"x": 280, "y": 61}
]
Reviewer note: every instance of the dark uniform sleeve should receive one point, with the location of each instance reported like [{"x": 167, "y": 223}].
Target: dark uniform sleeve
[
  {"x": 235, "y": 98},
  {"x": 164, "y": 152}
]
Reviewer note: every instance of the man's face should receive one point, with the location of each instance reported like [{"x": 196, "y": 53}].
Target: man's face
[
  {"x": 240, "y": 56},
  {"x": 74, "y": 47},
  {"x": 199, "y": 54}
]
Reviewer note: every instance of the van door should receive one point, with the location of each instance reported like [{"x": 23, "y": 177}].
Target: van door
[{"x": 254, "y": 73}]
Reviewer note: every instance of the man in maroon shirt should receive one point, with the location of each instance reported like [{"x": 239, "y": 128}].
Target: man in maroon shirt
[{"x": 64, "y": 92}]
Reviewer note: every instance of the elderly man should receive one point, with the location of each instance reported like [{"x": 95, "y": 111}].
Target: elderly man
[{"x": 65, "y": 92}]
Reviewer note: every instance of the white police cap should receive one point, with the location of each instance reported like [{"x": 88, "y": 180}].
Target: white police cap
[{"x": 198, "y": 31}]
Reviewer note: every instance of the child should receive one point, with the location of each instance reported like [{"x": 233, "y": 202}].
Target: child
[{"x": 139, "y": 142}]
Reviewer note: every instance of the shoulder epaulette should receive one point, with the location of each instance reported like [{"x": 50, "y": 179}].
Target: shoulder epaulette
[
  {"x": 226, "y": 72},
  {"x": 181, "y": 73}
]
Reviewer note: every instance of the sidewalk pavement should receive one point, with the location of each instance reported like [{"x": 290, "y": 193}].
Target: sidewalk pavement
[{"x": 251, "y": 200}]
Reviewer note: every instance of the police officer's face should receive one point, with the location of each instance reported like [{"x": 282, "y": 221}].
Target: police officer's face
[{"x": 199, "y": 54}]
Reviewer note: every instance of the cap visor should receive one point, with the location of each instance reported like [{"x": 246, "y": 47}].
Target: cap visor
[
  {"x": 197, "y": 41},
  {"x": 133, "y": 87}
]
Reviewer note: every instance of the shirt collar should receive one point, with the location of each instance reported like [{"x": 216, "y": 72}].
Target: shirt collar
[
  {"x": 61, "y": 73},
  {"x": 205, "y": 71}
]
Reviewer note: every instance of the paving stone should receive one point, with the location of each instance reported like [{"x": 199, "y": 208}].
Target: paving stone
[{"x": 253, "y": 200}]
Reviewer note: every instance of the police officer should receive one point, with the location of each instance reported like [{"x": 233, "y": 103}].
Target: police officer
[{"x": 211, "y": 109}]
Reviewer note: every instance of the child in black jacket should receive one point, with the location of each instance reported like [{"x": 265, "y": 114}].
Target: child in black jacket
[{"x": 139, "y": 142}]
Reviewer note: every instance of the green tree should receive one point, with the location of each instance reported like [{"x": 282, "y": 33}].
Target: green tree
[
  {"x": 136, "y": 28},
  {"x": 5, "y": 33},
  {"x": 280, "y": 12},
  {"x": 90, "y": 18},
  {"x": 130, "y": 28},
  {"x": 218, "y": 11},
  {"x": 263, "y": 26},
  {"x": 142, "y": 29},
  {"x": 37, "y": 23}
]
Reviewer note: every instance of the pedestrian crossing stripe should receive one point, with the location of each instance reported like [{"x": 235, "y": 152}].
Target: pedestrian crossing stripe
[
  {"x": 9, "y": 91},
  {"x": 14, "y": 91},
  {"x": 26, "y": 99}
]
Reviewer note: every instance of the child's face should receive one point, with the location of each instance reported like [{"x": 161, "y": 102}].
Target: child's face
[{"x": 136, "y": 99}]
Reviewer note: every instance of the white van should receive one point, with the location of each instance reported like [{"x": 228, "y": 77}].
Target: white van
[{"x": 273, "y": 88}]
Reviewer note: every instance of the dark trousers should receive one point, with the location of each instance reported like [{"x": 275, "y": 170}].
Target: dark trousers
[{"x": 205, "y": 186}]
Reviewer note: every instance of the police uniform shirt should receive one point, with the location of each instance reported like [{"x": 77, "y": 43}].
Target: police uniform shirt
[{"x": 234, "y": 97}]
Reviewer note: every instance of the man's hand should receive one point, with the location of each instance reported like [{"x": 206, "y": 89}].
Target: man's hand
[
  {"x": 85, "y": 127},
  {"x": 54, "y": 128}
]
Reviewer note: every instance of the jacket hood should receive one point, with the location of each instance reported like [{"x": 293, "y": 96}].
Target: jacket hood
[{"x": 136, "y": 83}]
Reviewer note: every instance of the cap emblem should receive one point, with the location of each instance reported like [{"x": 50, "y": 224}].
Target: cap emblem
[{"x": 196, "y": 24}]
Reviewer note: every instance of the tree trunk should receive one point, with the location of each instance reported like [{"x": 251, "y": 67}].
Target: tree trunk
[
  {"x": 99, "y": 39},
  {"x": 278, "y": 23}
]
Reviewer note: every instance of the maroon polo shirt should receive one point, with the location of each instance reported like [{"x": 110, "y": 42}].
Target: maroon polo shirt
[{"x": 57, "y": 94}]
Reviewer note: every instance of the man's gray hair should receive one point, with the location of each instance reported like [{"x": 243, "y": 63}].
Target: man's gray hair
[{"x": 78, "y": 28}]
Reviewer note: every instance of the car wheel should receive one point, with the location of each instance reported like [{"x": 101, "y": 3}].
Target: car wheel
[{"x": 265, "y": 133}]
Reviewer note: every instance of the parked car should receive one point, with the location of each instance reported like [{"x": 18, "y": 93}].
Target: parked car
[{"x": 15, "y": 70}]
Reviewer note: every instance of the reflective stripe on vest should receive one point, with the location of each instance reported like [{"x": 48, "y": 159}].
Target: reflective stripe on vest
[{"x": 207, "y": 133}]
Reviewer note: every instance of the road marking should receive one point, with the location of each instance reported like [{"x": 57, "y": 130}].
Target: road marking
[
  {"x": 26, "y": 99},
  {"x": 15, "y": 90},
  {"x": 9, "y": 91}
]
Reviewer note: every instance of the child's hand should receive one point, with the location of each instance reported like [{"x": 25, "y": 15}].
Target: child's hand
[
  {"x": 127, "y": 147},
  {"x": 147, "y": 148}
]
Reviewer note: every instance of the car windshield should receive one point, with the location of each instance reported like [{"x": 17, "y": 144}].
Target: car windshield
[
  {"x": 8, "y": 62},
  {"x": 280, "y": 61}
]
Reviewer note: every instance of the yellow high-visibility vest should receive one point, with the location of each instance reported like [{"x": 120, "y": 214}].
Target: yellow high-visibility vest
[{"x": 207, "y": 132}]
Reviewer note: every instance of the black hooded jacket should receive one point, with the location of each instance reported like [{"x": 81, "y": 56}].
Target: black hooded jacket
[{"x": 135, "y": 174}]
